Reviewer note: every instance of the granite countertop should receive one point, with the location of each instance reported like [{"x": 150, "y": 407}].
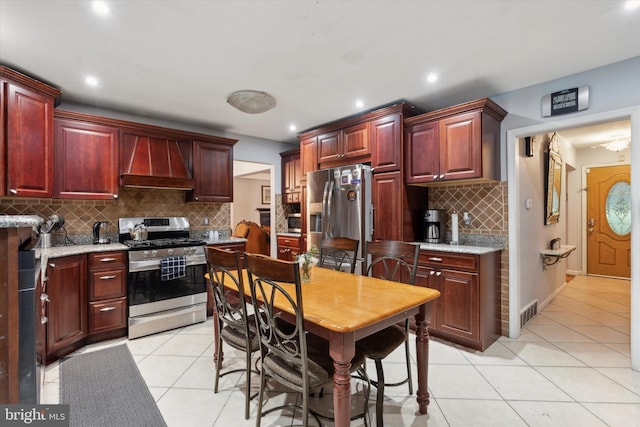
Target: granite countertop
[
  {"x": 222, "y": 241},
  {"x": 294, "y": 235},
  {"x": 460, "y": 249},
  {"x": 61, "y": 251},
  {"x": 14, "y": 221}
]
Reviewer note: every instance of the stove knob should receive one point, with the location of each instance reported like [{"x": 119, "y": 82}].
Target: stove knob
[
  {"x": 154, "y": 253},
  {"x": 170, "y": 251},
  {"x": 145, "y": 253}
]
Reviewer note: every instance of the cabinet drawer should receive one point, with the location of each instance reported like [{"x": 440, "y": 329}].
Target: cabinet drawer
[
  {"x": 107, "y": 260},
  {"x": 450, "y": 260},
  {"x": 107, "y": 315},
  {"x": 107, "y": 284},
  {"x": 289, "y": 242}
]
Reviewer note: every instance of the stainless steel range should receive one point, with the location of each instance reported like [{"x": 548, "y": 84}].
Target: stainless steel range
[{"x": 166, "y": 284}]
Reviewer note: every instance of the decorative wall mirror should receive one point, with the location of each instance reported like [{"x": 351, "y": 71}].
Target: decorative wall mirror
[{"x": 553, "y": 181}]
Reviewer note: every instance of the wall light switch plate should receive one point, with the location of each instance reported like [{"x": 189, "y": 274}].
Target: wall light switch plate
[{"x": 528, "y": 203}]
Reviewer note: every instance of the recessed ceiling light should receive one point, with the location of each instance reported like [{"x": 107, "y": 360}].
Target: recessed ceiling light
[
  {"x": 432, "y": 77},
  {"x": 631, "y": 4},
  {"x": 292, "y": 127},
  {"x": 91, "y": 81},
  {"x": 359, "y": 103},
  {"x": 100, "y": 7}
]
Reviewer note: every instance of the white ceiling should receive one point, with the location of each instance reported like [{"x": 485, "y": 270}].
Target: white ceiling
[{"x": 181, "y": 59}]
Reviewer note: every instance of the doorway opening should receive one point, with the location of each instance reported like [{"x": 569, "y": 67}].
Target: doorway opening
[
  {"x": 516, "y": 167},
  {"x": 254, "y": 195}
]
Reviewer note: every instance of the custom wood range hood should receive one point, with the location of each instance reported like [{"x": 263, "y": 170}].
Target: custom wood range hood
[{"x": 156, "y": 162}]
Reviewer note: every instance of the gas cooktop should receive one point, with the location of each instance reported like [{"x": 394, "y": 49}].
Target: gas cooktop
[{"x": 178, "y": 242}]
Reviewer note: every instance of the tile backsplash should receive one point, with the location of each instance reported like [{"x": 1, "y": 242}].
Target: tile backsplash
[{"x": 80, "y": 215}]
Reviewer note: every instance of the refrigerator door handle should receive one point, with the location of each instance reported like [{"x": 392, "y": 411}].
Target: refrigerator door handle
[
  {"x": 325, "y": 215},
  {"x": 371, "y": 218},
  {"x": 329, "y": 229}
]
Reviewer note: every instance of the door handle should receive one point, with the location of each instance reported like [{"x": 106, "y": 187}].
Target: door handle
[{"x": 591, "y": 223}]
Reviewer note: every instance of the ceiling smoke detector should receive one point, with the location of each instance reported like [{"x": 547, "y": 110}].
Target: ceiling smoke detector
[{"x": 252, "y": 101}]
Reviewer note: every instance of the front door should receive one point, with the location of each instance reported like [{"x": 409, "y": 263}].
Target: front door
[{"x": 609, "y": 221}]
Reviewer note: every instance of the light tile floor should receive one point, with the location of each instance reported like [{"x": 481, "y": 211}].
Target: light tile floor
[{"x": 570, "y": 366}]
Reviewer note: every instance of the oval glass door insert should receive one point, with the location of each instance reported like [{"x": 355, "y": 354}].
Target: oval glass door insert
[{"x": 618, "y": 208}]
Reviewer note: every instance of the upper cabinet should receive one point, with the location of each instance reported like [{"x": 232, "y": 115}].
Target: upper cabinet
[
  {"x": 373, "y": 137},
  {"x": 291, "y": 176},
  {"x": 308, "y": 155},
  {"x": 213, "y": 169},
  {"x": 386, "y": 143},
  {"x": 96, "y": 155},
  {"x": 348, "y": 144},
  {"x": 26, "y": 135},
  {"x": 456, "y": 143},
  {"x": 86, "y": 158}
]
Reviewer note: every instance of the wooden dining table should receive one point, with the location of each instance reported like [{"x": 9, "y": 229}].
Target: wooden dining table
[{"x": 343, "y": 308}]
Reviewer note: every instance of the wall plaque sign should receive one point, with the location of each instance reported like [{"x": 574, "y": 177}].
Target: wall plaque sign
[{"x": 565, "y": 101}]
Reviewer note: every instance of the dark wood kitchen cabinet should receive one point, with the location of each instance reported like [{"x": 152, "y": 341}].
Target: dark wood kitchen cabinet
[
  {"x": 456, "y": 143},
  {"x": 467, "y": 310},
  {"x": 386, "y": 143},
  {"x": 344, "y": 146},
  {"x": 288, "y": 247},
  {"x": 66, "y": 309},
  {"x": 397, "y": 208},
  {"x": 308, "y": 156},
  {"x": 107, "y": 293},
  {"x": 291, "y": 176},
  {"x": 86, "y": 158},
  {"x": 26, "y": 135},
  {"x": 213, "y": 170}
]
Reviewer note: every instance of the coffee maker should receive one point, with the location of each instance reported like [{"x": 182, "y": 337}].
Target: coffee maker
[
  {"x": 100, "y": 232},
  {"x": 435, "y": 223}
]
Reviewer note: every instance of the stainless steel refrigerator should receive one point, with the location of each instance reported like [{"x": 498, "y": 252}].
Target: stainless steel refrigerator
[{"x": 339, "y": 205}]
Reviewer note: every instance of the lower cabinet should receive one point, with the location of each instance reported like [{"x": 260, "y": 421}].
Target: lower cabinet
[
  {"x": 67, "y": 305},
  {"x": 107, "y": 292},
  {"x": 288, "y": 248},
  {"x": 85, "y": 300},
  {"x": 467, "y": 310}
]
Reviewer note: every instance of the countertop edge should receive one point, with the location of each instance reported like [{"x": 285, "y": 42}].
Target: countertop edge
[{"x": 460, "y": 249}]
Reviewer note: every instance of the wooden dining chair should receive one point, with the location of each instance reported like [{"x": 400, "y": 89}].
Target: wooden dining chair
[
  {"x": 233, "y": 325},
  {"x": 289, "y": 355},
  {"x": 339, "y": 252},
  {"x": 396, "y": 261}
]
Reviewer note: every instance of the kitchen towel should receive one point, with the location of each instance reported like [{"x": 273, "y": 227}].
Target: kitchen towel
[{"x": 173, "y": 267}]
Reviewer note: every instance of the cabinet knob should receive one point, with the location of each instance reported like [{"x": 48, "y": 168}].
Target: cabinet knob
[
  {"x": 107, "y": 309},
  {"x": 13, "y": 191},
  {"x": 435, "y": 176},
  {"x": 115, "y": 196},
  {"x": 45, "y": 298},
  {"x": 431, "y": 273},
  {"x": 439, "y": 273},
  {"x": 442, "y": 176},
  {"x": 44, "y": 319},
  {"x": 52, "y": 265}
]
